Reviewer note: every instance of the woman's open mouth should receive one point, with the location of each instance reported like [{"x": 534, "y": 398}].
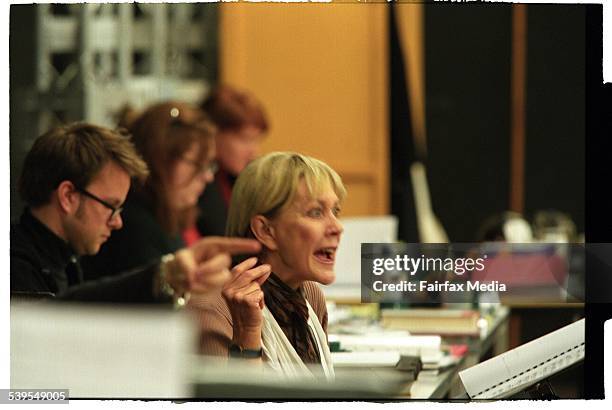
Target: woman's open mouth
[{"x": 326, "y": 255}]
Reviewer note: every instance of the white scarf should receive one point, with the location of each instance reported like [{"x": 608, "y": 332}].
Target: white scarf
[{"x": 281, "y": 356}]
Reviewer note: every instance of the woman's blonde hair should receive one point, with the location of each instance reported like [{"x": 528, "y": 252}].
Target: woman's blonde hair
[{"x": 269, "y": 183}]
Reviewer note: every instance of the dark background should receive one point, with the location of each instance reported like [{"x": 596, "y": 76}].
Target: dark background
[
  {"x": 467, "y": 66},
  {"x": 569, "y": 116}
]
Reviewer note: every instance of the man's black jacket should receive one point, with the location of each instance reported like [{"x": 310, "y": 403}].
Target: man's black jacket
[{"x": 43, "y": 263}]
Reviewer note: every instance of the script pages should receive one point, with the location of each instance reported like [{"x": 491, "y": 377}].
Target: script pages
[{"x": 516, "y": 369}]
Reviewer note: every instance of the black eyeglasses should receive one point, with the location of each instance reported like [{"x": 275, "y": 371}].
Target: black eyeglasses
[{"x": 115, "y": 210}]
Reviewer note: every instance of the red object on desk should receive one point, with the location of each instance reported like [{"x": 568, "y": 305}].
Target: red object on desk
[{"x": 458, "y": 350}]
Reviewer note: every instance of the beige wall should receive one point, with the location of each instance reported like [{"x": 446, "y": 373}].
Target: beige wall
[{"x": 321, "y": 71}]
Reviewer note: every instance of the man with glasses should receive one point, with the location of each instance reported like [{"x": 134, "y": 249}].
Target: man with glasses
[{"x": 75, "y": 180}]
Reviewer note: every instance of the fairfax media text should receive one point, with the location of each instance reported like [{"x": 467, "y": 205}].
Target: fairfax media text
[{"x": 446, "y": 286}]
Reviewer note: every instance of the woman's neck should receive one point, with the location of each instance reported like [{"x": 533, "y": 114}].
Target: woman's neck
[{"x": 281, "y": 272}]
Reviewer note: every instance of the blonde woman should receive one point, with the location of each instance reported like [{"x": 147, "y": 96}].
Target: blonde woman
[{"x": 272, "y": 310}]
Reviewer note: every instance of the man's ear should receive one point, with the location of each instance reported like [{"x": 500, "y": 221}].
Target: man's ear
[
  {"x": 67, "y": 197},
  {"x": 264, "y": 232}
]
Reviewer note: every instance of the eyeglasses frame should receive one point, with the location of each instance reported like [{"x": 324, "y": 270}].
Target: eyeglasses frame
[
  {"x": 211, "y": 167},
  {"x": 115, "y": 210}
]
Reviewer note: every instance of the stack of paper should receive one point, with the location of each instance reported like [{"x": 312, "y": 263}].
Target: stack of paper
[
  {"x": 519, "y": 368},
  {"x": 426, "y": 347},
  {"x": 365, "y": 359},
  {"x": 432, "y": 321}
]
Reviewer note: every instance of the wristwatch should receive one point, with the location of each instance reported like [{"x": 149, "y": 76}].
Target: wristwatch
[{"x": 238, "y": 352}]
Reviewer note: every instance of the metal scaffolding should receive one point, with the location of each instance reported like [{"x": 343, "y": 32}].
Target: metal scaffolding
[{"x": 72, "y": 62}]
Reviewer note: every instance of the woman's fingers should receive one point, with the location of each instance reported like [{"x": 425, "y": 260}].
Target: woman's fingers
[
  {"x": 239, "y": 294},
  {"x": 258, "y": 274},
  {"x": 260, "y": 280},
  {"x": 243, "y": 292},
  {"x": 244, "y": 265},
  {"x": 256, "y": 299},
  {"x": 252, "y": 297}
]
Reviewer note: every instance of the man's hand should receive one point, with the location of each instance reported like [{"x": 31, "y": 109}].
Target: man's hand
[{"x": 205, "y": 265}]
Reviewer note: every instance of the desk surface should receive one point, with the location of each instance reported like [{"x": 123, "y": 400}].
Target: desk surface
[
  {"x": 446, "y": 383},
  {"x": 379, "y": 380}
]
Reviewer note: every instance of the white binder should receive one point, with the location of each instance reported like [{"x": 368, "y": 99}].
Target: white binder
[{"x": 512, "y": 371}]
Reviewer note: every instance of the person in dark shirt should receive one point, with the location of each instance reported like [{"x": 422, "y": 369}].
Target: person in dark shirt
[
  {"x": 242, "y": 124},
  {"x": 176, "y": 141},
  {"x": 75, "y": 180}
]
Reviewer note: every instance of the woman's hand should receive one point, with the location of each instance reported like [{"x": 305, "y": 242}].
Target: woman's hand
[{"x": 246, "y": 300}]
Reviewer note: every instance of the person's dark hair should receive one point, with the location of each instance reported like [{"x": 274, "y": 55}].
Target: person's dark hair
[
  {"x": 232, "y": 109},
  {"x": 492, "y": 228},
  {"x": 76, "y": 153},
  {"x": 162, "y": 134}
]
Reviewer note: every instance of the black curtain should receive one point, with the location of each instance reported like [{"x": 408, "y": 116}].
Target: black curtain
[
  {"x": 402, "y": 149},
  {"x": 598, "y": 225}
]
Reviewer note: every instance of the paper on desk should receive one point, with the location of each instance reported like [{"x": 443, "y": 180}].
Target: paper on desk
[
  {"x": 516, "y": 369},
  {"x": 368, "y": 330},
  {"x": 101, "y": 351},
  {"x": 365, "y": 359},
  {"x": 427, "y": 347}
]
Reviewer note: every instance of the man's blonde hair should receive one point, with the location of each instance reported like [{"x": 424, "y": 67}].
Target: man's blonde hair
[{"x": 269, "y": 184}]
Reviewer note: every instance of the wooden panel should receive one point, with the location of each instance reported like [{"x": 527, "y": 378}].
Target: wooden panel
[
  {"x": 321, "y": 71},
  {"x": 360, "y": 200},
  {"x": 518, "y": 90}
]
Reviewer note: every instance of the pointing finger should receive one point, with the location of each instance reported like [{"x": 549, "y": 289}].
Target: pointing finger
[{"x": 207, "y": 247}]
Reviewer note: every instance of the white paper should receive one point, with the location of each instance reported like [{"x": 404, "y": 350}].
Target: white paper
[
  {"x": 365, "y": 359},
  {"x": 116, "y": 352},
  {"x": 510, "y": 372},
  {"x": 427, "y": 347}
]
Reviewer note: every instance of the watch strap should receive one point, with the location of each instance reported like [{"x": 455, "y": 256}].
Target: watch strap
[{"x": 239, "y": 352}]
